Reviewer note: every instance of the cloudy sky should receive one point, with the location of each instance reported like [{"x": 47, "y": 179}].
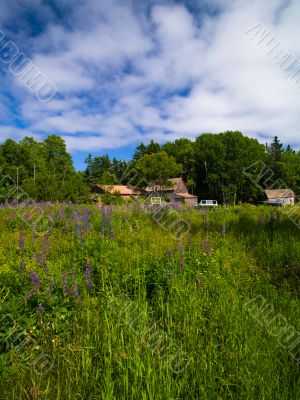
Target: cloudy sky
[{"x": 128, "y": 71}]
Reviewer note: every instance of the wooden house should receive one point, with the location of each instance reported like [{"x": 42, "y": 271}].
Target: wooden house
[{"x": 286, "y": 196}]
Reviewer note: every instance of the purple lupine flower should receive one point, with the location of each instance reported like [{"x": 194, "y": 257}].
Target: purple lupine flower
[
  {"x": 66, "y": 288},
  {"x": 46, "y": 244},
  {"x": 40, "y": 310},
  {"x": 87, "y": 275},
  {"x": 36, "y": 281},
  {"x": 105, "y": 219},
  {"x": 75, "y": 290},
  {"x": 22, "y": 243},
  {"x": 51, "y": 284},
  {"x": 206, "y": 247},
  {"x": 44, "y": 264},
  {"x": 86, "y": 218}
]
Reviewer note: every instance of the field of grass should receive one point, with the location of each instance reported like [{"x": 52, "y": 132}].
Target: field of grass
[{"x": 110, "y": 304}]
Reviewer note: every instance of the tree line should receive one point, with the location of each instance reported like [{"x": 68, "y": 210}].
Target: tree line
[{"x": 213, "y": 166}]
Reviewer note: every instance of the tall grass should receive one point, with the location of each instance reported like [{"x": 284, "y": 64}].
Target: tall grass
[{"x": 163, "y": 318}]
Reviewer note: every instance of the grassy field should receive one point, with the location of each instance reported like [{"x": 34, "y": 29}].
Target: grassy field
[{"x": 110, "y": 304}]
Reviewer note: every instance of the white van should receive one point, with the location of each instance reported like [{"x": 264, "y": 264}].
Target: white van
[{"x": 207, "y": 203}]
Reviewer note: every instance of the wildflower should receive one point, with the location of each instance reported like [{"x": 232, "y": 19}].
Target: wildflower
[
  {"x": 47, "y": 241},
  {"x": 87, "y": 275},
  {"x": 36, "y": 281},
  {"x": 105, "y": 219},
  {"x": 22, "y": 243},
  {"x": 44, "y": 264},
  {"x": 66, "y": 288},
  {"x": 75, "y": 290},
  {"x": 86, "y": 218},
  {"x": 40, "y": 310}
]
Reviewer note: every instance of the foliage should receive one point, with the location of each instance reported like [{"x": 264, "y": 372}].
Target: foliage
[
  {"x": 124, "y": 310},
  {"x": 213, "y": 166},
  {"x": 157, "y": 168},
  {"x": 37, "y": 171}
]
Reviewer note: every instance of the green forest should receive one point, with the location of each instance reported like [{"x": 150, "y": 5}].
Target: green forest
[{"x": 213, "y": 165}]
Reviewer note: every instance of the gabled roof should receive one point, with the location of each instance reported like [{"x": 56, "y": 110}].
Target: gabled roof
[
  {"x": 124, "y": 190},
  {"x": 174, "y": 184},
  {"x": 279, "y": 193},
  {"x": 175, "y": 181}
]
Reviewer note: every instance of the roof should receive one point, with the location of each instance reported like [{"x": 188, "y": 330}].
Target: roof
[
  {"x": 175, "y": 181},
  {"x": 124, "y": 190},
  {"x": 186, "y": 195},
  {"x": 279, "y": 193},
  {"x": 174, "y": 184}
]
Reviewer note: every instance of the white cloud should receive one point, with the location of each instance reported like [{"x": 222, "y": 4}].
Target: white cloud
[{"x": 122, "y": 76}]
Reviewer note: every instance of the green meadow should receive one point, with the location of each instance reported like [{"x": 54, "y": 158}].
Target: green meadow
[{"x": 117, "y": 303}]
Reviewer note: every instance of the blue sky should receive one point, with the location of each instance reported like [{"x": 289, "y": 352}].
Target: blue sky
[{"x": 128, "y": 71}]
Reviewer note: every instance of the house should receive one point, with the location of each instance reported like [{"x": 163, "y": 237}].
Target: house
[
  {"x": 186, "y": 198},
  {"x": 123, "y": 190},
  {"x": 287, "y": 196},
  {"x": 177, "y": 192}
]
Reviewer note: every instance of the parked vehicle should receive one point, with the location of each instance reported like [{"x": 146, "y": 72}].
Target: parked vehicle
[
  {"x": 207, "y": 203},
  {"x": 275, "y": 202},
  {"x": 155, "y": 201}
]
